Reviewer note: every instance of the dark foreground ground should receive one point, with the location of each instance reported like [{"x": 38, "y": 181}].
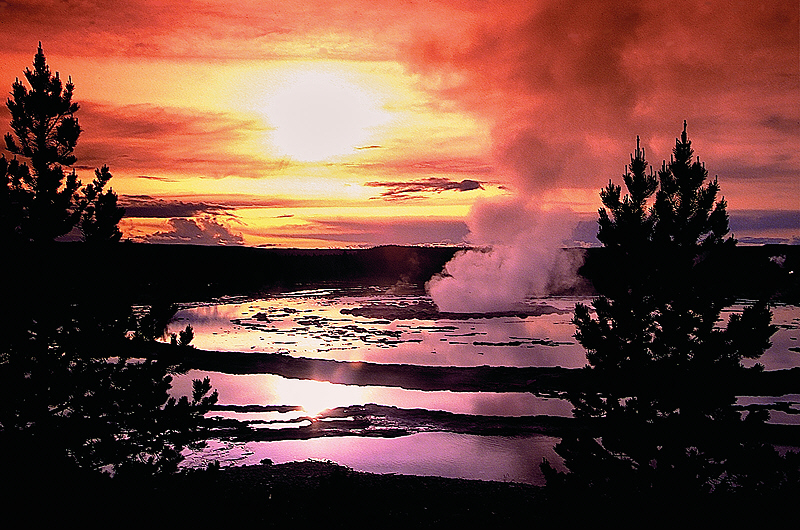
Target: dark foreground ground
[{"x": 325, "y": 495}]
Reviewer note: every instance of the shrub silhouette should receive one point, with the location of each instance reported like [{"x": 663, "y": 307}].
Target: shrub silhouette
[{"x": 84, "y": 390}]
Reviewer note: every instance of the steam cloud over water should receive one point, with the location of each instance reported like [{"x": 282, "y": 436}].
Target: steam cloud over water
[{"x": 518, "y": 254}]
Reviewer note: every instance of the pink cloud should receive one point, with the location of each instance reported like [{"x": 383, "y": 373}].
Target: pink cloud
[
  {"x": 204, "y": 231},
  {"x": 569, "y": 86},
  {"x": 565, "y": 87}
]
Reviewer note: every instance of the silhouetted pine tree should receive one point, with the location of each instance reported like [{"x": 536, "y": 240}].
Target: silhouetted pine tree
[
  {"x": 11, "y": 198},
  {"x": 657, "y": 315},
  {"x": 46, "y": 199},
  {"x": 659, "y": 362},
  {"x": 100, "y": 214},
  {"x": 83, "y": 391}
]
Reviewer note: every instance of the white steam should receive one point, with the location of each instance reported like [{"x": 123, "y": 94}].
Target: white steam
[{"x": 518, "y": 254}]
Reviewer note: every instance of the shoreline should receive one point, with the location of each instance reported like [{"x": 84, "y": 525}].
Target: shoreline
[
  {"x": 328, "y": 495},
  {"x": 550, "y": 381}
]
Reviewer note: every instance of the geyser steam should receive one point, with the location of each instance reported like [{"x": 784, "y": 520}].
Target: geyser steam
[{"x": 518, "y": 254}]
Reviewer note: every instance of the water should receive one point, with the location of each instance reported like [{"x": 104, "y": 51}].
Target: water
[
  {"x": 315, "y": 327},
  {"x": 466, "y": 456},
  {"x": 312, "y": 324}
]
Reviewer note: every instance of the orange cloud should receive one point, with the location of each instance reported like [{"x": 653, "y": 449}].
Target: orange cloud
[
  {"x": 545, "y": 98},
  {"x": 149, "y": 139}
]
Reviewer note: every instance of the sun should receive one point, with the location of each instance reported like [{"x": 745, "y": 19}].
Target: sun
[{"x": 317, "y": 114}]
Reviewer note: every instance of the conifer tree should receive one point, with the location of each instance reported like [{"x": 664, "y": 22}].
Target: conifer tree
[
  {"x": 46, "y": 198},
  {"x": 12, "y": 174},
  {"x": 100, "y": 213},
  {"x": 656, "y": 316},
  {"x": 84, "y": 392},
  {"x": 659, "y": 362}
]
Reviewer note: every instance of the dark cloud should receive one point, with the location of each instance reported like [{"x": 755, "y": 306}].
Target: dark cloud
[
  {"x": 153, "y": 177},
  {"x": 417, "y": 188},
  {"x": 769, "y": 240},
  {"x": 765, "y": 220},
  {"x": 144, "y": 206},
  {"x": 782, "y": 123},
  {"x": 196, "y": 232}
]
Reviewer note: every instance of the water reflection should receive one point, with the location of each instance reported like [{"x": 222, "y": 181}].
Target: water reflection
[
  {"x": 316, "y": 328},
  {"x": 316, "y": 396},
  {"x": 785, "y": 350},
  {"x": 782, "y": 409},
  {"x": 313, "y": 326},
  {"x": 432, "y": 453}
]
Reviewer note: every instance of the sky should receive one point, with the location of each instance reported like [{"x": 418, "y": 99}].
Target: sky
[{"x": 357, "y": 123}]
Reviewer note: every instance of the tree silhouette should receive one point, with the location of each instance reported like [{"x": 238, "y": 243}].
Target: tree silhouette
[
  {"x": 45, "y": 200},
  {"x": 100, "y": 214},
  {"x": 657, "y": 313},
  {"x": 11, "y": 198},
  {"x": 83, "y": 390},
  {"x": 658, "y": 395},
  {"x": 85, "y": 387}
]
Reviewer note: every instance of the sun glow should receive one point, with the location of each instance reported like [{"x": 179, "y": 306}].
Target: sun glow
[
  {"x": 316, "y": 396},
  {"x": 318, "y": 114}
]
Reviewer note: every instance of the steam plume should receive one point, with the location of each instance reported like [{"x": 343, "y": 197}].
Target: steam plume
[{"x": 517, "y": 255}]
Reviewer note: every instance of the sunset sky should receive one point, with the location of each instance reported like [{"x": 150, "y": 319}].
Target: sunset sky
[{"x": 349, "y": 123}]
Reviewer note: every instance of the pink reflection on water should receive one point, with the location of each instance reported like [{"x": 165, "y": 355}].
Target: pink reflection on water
[
  {"x": 316, "y": 328},
  {"x": 306, "y": 326},
  {"x": 316, "y": 396},
  {"x": 498, "y": 458}
]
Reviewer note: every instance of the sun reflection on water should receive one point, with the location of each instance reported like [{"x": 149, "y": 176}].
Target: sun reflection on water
[{"x": 317, "y": 396}]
